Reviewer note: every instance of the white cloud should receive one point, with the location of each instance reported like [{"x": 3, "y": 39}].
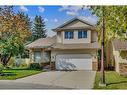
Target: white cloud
[
  {"x": 73, "y": 10},
  {"x": 71, "y": 13},
  {"x": 70, "y": 8},
  {"x": 46, "y": 20},
  {"x": 41, "y": 9},
  {"x": 23, "y": 8},
  {"x": 55, "y": 20},
  {"x": 32, "y": 17}
]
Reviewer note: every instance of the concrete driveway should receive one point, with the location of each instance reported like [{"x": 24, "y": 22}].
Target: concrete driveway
[{"x": 61, "y": 79}]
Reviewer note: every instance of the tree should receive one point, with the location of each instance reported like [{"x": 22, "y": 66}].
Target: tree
[
  {"x": 39, "y": 30},
  {"x": 14, "y": 32},
  {"x": 10, "y": 47},
  {"x": 100, "y": 11},
  {"x": 26, "y": 18},
  {"x": 113, "y": 22},
  {"x": 116, "y": 24}
]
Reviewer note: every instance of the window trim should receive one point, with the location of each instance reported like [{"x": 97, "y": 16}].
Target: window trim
[
  {"x": 68, "y": 34},
  {"x": 40, "y": 55},
  {"x": 82, "y": 35}
]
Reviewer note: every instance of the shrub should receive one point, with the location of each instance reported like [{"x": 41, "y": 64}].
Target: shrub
[
  {"x": 36, "y": 66},
  {"x": 23, "y": 65},
  {"x": 1, "y": 67}
]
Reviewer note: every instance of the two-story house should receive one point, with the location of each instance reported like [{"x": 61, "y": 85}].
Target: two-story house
[{"x": 74, "y": 47}]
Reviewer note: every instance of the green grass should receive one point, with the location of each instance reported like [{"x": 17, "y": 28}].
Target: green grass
[
  {"x": 113, "y": 81},
  {"x": 12, "y": 74}
]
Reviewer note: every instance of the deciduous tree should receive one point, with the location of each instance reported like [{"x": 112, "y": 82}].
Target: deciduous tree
[
  {"x": 14, "y": 31},
  {"x": 115, "y": 26}
]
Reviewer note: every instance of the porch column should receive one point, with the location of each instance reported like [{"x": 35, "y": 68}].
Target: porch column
[
  {"x": 42, "y": 55},
  {"x": 32, "y": 55}
]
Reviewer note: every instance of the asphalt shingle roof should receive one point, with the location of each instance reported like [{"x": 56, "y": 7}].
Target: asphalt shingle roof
[
  {"x": 51, "y": 42},
  {"x": 119, "y": 44},
  {"x": 42, "y": 42}
]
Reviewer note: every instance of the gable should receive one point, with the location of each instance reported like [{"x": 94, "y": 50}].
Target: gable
[{"x": 76, "y": 23}]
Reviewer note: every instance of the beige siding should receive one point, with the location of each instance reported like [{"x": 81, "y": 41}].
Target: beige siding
[
  {"x": 56, "y": 52},
  {"x": 76, "y": 24},
  {"x": 75, "y": 39},
  {"x": 59, "y": 37},
  {"x": 94, "y": 36},
  {"x": 118, "y": 59}
]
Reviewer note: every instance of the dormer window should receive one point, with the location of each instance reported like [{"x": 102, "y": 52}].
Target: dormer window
[
  {"x": 82, "y": 34},
  {"x": 69, "y": 34}
]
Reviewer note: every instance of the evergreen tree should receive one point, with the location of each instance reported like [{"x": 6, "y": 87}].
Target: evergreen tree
[{"x": 39, "y": 30}]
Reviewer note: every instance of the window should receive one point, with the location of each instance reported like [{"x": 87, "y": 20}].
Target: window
[
  {"x": 82, "y": 34},
  {"x": 69, "y": 35},
  {"x": 37, "y": 56}
]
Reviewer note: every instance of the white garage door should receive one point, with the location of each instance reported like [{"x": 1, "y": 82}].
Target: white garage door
[{"x": 74, "y": 62}]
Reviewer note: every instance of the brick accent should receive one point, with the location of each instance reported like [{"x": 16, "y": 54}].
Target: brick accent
[
  {"x": 94, "y": 66},
  {"x": 53, "y": 66},
  {"x": 123, "y": 68}
]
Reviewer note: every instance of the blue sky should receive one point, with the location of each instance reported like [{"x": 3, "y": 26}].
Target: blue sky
[{"x": 57, "y": 15}]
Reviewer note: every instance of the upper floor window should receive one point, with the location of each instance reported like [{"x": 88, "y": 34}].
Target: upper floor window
[
  {"x": 69, "y": 34},
  {"x": 82, "y": 34}
]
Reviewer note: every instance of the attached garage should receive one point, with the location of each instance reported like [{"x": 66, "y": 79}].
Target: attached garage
[{"x": 74, "y": 62}]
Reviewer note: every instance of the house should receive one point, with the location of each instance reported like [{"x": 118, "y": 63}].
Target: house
[
  {"x": 120, "y": 55},
  {"x": 74, "y": 47}
]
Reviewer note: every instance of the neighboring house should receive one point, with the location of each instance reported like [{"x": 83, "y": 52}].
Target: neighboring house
[
  {"x": 74, "y": 47},
  {"x": 120, "y": 55}
]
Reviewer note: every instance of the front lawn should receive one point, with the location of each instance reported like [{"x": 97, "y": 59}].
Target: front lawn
[
  {"x": 12, "y": 74},
  {"x": 113, "y": 80}
]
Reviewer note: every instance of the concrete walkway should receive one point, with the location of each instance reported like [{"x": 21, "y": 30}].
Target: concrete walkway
[
  {"x": 19, "y": 85},
  {"x": 62, "y": 79}
]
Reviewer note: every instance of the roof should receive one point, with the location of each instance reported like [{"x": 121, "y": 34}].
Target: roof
[
  {"x": 51, "y": 42},
  {"x": 42, "y": 42},
  {"x": 91, "y": 26},
  {"x": 77, "y": 46},
  {"x": 75, "y": 28},
  {"x": 119, "y": 44}
]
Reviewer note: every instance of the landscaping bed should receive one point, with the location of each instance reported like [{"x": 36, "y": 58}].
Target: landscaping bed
[
  {"x": 12, "y": 74},
  {"x": 113, "y": 81}
]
